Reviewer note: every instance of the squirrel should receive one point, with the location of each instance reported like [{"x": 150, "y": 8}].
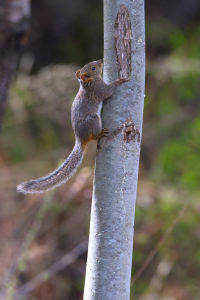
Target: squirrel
[{"x": 86, "y": 123}]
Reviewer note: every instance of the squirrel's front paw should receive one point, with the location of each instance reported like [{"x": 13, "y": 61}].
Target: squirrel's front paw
[
  {"x": 123, "y": 80},
  {"x": 104, "y": 133}
]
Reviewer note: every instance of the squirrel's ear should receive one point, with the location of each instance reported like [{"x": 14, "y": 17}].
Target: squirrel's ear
[
  {"x": 100, "y": 62},
  {"x": 78, "y": 74}
]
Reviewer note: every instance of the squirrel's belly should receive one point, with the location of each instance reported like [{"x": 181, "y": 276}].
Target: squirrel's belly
[
  {"x": 99, "y": 108},
  {"x": 99, "y": 113}
]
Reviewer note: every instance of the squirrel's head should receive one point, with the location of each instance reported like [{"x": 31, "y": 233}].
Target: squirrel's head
[{"x": 90, "y": 71}]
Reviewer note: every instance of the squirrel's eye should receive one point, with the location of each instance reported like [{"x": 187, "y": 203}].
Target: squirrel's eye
[{"x": 93, "y": 68}]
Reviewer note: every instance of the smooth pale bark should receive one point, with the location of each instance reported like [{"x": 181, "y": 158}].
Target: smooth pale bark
[
  {"x": 109, "y": 262},
  {"x": 14, "y": 24}
]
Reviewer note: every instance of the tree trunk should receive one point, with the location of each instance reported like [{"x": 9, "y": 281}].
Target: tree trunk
[
  {"x": 109, "y": 260},
  {"x": 14, "y": 26}
]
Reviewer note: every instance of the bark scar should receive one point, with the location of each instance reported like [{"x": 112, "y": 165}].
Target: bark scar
[
  {"x": 123, "y": 37},
  {"x": 130, "y": 131}
]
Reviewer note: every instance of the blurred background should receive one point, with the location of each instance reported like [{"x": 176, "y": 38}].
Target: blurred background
[{"x": 43, "y": 246}]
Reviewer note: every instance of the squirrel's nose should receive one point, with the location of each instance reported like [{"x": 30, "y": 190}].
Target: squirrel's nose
[{"x": 85, "y": 76}]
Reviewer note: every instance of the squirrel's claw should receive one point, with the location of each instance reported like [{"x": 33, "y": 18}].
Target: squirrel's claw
[
  {"x": 123, "y": 80},
  {"x": 105, "y": 132}
]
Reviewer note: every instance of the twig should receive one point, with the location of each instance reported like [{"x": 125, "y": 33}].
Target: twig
[
  {"x": 50, "y": 272},
  {"x": 10, "y": 277},
  {"x": 161, "y": 242}
]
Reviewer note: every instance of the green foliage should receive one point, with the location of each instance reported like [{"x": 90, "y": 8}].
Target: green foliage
[
  {"x": 180, "y": 158},
  {"x": 187, "y": 87},
  {"x": 138, "y": 289},
  {"x": 158, "y": 32},
  {"x": 186, "y": 43},
  {"x": 166, "y": 102}
]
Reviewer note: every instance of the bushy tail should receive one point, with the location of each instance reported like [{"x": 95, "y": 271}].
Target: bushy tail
[{"x": 57, "y": 177}]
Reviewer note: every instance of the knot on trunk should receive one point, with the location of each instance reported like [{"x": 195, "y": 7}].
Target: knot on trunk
[{"x": 130, "y": 131}]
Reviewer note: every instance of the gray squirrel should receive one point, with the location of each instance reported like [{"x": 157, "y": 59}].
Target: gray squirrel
[{"x": 86, "y": 123}]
